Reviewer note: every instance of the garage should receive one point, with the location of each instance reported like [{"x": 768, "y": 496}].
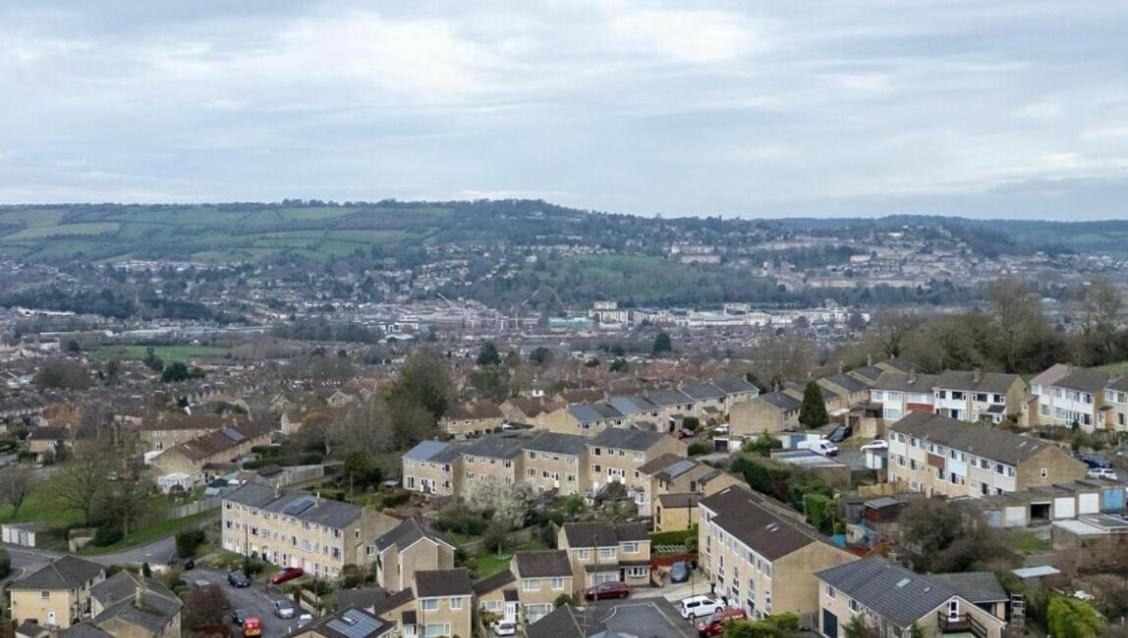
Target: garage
[
  {"x": 1089, "y": 503},
  {"x": 1065, "y": 507},
  {"x": 1016, "y": 516}
]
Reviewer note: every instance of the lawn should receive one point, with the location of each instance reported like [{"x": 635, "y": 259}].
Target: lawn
[
  {"x": 151, "y": 533},
  {"x": 1116, "y": 368},
  {"x": 167, "y": 353},
  {"x": 41, "y": 507},
  {"x": 490, "y": 563},
  {"x": 1029, "y": 542}
]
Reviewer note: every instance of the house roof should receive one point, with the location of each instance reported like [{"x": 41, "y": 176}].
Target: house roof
[
  {"x": 734, "y": 385},
  {"x": 666, "y": 397},
  {"x": 626, "y": 439},
  {"x": 443, "y": 582},
  {"x": 406, "y": 533},
  {"x": 543, "y": 563},
  {"x": 593, "y": 412},
  {"x": 479, "y": 410},
  {"x": 563, "y": 622},
  {"x": 1050, "y": 375},
  {"x": 905, "y": 382},
  {"x": 495, "y": 582},
  {"x": 425, "y": 450},
  {"x": 352, "y": 622},
  {"x": 557, "y": 443},
  {"x": 218, "y": 441},
  {"x": 301, "y": 505},
  {"x": 632, "y": 404},
  {"x": 79, "y": 630},
  {"x": 362, "y": 598},
  {"x": 780, "y": 401},
  {"x": 603, "y": 534},
  {"x": 703, "y": 391},
  {"x": 396, "y": 600},
  {"x": 1119, "y": 384},
  {"x": 66, "y": 572},
  {"x": 847, "y": 382},
  {"x": 1085, "y": 379},
  {"x": 870, "y": 373},
  {"x": 976, "y": 439},
  {"x": 740, "y": 514},
  {"x": 503, "y": 445},
  {"x": 977, "y": 587},
  {"x": 679, "y": 500},
  {"x": 155, "y": 610},
  {"x": 673, "y": 464},
  {"x": 896, "y": 594},
  {"x": 970, "y": 381}
]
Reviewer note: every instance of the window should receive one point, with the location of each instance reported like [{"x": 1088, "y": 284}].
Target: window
[
  {"x": 529, "y": 584},
  {"x": 1045, "y": 472},
  {"x": 585, "y": 554},
  {"x": 558, "y": 583},
  {"x": 607, "y": 552},
  {"x": 630, "y": 548},
  {"x": 854, "y": 606},
  {"x": 45, "y": 595},
  {"x": 436, "y": 630},
  {"x": 829, "y": 591},
  {"x": 430, "y": 604},
  {"x": 456, "y": 602}
]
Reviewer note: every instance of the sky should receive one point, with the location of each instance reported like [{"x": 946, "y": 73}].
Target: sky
[{"x": 1001, "y": 109}]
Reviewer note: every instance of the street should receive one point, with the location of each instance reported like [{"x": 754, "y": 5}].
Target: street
[
  {"x": 255, "y": 600},
  {"x": 28, "y": 559}
]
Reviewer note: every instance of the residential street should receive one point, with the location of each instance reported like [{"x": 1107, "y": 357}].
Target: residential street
[{"x": 28, "y": 559}]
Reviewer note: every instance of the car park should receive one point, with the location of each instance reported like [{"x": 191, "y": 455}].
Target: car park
[
  {"x": 611, "y": 589},
  {"x": 714, "y": 625},
  {"x": 283, "y": 575},
  {"x": 699, "y": 606}
]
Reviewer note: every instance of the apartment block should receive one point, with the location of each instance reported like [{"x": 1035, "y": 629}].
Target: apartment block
[
  {"x": 432, "y": 467},
  {"x": 941, "y": 456},
  {"x": 760, "y": 558},
  {"x": 554, "y": 461},
  {"x": 299, "y": 529}
]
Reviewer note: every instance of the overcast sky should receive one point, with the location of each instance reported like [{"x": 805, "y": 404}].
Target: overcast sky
[{"x": 848, "y": 107}]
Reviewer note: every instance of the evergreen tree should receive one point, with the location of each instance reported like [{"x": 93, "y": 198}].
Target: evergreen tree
[
  {"x": 662, "y": 344},
  {"x": 813, "y": 413},
  {"x": 488, "y": 355}
]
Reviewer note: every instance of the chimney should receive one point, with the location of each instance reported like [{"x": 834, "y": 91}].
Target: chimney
[
  {"x": 912, "y": 374},
  {"x": 869, "y": 359},
  {"x": 977, "y": 374},
  {"x": 277, "y": 490}
]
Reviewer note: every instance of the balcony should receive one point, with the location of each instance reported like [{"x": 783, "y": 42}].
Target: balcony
[{"x": 960, "y": 624}]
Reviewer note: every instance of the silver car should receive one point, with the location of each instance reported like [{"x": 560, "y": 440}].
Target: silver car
[{"x": 283, "y": 609}]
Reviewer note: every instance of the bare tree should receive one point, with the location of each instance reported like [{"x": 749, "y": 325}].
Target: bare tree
[
  {"x": 1017, "y": 316},
  {"x": 127, "y": 498},
  {"x": 365, "y": 426},
  {"x": 204, "y": 607},
  {"x": 15, "y": 484},
  {"x": 777, "y": 359},
  {"x": 891, "y": 329},
  {"x": 1103, "y": 306},
  {"x": 82, "y": 482}
]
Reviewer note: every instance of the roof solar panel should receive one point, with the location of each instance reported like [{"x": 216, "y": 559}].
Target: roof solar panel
[
  {"x": 299, "y": 505},
  {"x": 354, "y": 625},
  {"x": 232, "y": 434}
]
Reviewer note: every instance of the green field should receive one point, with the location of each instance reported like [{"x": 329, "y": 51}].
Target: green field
[
  {"x": 152, "y": 533},
  {"x": 1120, "y": 368},
  {"x": 491, "y": 563},
  {"x": 167, "y": 353}
]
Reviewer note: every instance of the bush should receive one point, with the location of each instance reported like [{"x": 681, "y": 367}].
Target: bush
[
  {"x": 5, "y": 563},
  {"x": 108, "y": 534},
  {"x": 398, "y": 498},
  {"x": 698, "y": 448},
  {"x": 187, "y": 541},
  {"x": 691, "y": 423},
  {"x": 676, "y": 537}
]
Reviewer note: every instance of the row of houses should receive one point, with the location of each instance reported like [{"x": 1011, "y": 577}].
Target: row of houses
[{"x": 1092, "y": 399}]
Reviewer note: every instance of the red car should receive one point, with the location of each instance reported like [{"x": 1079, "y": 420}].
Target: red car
[
  {"x": 290, "y": 573},
  {"x": 612, "y": 589},
  {"x": 685, "y": 434},
  {"x": 714, "y": 625}
]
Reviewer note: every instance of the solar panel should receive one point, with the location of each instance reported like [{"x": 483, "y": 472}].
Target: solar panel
[
  {"x": 233, "y": 434},
  {"x": 680, "y": 467},
  {"x": 354, "y": 625},
  {"x": 299, "y": 505}
]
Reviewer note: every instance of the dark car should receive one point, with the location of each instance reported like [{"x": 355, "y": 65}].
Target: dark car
[
  {"x": 238, "y": 579},
  {"x": 840, "y": 434},
  {"x": 679, "y": 572},
  {"x": 238, "y": 616},
  {"x": 1095, "y": 461},
  {"x": 283, "y": 575},
  {"x": 613, "y": 589}
]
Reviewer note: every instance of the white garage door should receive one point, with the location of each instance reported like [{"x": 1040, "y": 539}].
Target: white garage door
[
  {"x": 1065, "y": 507},
  {"x": 1089, "y": 503},
  {"x": 1016, "y": 516}
]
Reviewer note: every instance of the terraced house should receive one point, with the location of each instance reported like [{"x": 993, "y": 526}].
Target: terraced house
[
  {"x": 978, "y": 396},
  {"x": 601, "y": 552},
  {"x": 555, "y": 461},
  {"x": 940, "y": 456},
  {"x": 299, "y": 529},
  {"x": 900, "y": 393},
  {"x": 1068, "y": 396},
  {"x": 586, "y": 419},
  {"x": 1116, "y": 414},
  {"x": 494, "y": 456},
  {"x": 760, "y": 558},
  {"x": 432, "y": 467},
  {"x": 615, "y": 456}
]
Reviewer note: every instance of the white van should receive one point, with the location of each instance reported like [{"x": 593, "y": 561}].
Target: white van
[
  {"x": 819, "y": 446},
  {"x": 699, "y": 607}
]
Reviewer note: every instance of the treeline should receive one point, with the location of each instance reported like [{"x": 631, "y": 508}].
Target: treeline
[
  {"x": 321, "y": 329},
  {"x": 1011, "y": 333}
]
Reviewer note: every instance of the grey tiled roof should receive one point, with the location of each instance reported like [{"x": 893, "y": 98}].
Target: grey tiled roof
[
  {"x": 543, "y": 563},
  {"x": 497, "y": 581},
  {"x": 847, "y": 382},
  {"x": 781, "y": 401},
  {"x": 425, "y": 450},
  {"x": 625, "y": 439},
  {"x": 443, "y": 582},
  {"x": 904, "y": 382},
  {"x": 301, "y": 505},
  {"x": 66, "y": 572},
  {"x": 1085, "y": 379},
  {"x": 734, "y": 385},
  {"x": 973, "y": 438},
  {"x": 702, "y": 391},
  {"x": 993, "y": 382},
  {"x": 505, "y": 445},
  {"x": 740, "y": 514},
  {"x": 406, "y": 533},
  {"x": 557, "y": 443},
  {"x": 668, "y": 397},
  {"x": 977, "y": 587},
  {"x": 891, "y": 591}
]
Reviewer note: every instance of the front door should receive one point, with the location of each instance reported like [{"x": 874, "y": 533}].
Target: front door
[
  {"x": 829, "y": 624},
  {"x": 953, "y": 609}
]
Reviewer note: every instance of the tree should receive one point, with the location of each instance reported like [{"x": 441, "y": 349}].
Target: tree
[
  {"x": 15, "y": 484},
  {"x": 411, "y": 422},
  {"x": 62, "y": 374},
  {"x": 813, "y": 414},
  {"x": 662, "y": 344},
  {"x": 935, "y": 536},
  {"x": 541, "y": 356},
  {"x": 113, "y": 371},
  {"x": 178, "y": 371},
  {"x": 81, "y": 482},
  {"x": 425, "y": 381},
  {"x": 73, "y": 347},
  {"x": 619, "y": 365},
  {"x": 1103, "y": 306},
  {"x": 1016, "y": 315},
  {"x": 506, "y": 505},
  {"x": 1072, "y": 618},
  {"x": 891, "y": 328},
  {"x": 204, "y": 607},
  {"x": 859, "y": 628},
  {"x": 152, "y": 361},
  {"x": 488, "y": 355},
  {"x": 127, "y": 498},
  {"x": 188, "y": 541},
  {"x": 361, "y": 469}
]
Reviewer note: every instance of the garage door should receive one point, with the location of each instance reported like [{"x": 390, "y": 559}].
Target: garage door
[
  {"x": 1089, "y": 503},
  {"x": 1065, "y": 507},
  {"x": 829, "y": 624},
  {"x": 1016, "y": 516}
]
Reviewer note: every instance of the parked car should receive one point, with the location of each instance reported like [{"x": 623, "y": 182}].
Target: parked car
[
  {"x": 305, "y": 619},
  {"x": 238, "y": 616},
  {"x": 679, "y": 572},
  {"x": 819, "y": 446},
  {"x": 283, "y": 609},
  {"x": 699, "y": 606},
  {"x": 238, "y": 579},
  {"x": 714, "y": 625},
  {"x": 1102, "y": 472},
  {"x": 1095, "y": 461},
  {"x": 283, "y": 575},
  {"x": 840, "y": 434},
  {"x": 252, "y": 626},
  {"x": 685, "y": 434},
  {"x": 505, "y": 628},
  {"x": 612, "y": 589}
]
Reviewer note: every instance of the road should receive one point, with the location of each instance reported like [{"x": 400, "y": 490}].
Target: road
[
  {"x": 255, "y": 600},
  {"x": 29, "y": 559}
]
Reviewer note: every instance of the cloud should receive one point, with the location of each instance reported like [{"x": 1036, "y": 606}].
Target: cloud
[{"x": 687, "y": 36}]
